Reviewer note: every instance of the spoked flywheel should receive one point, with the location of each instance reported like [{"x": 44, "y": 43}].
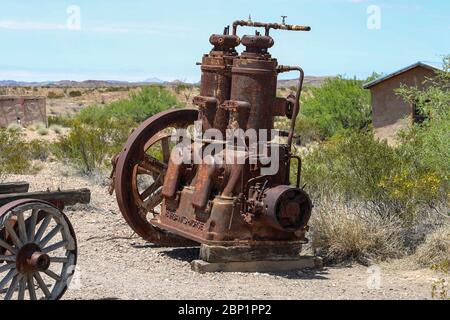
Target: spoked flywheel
[
  {"x": 140, "y": 172},
  {"x": 38, "y": 251}
]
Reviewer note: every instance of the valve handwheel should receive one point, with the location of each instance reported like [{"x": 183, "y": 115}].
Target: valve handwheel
[{"x": 38, "y": 251}]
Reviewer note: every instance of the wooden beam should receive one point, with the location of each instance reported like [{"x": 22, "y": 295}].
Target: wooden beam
[
  {"x": 267, "y": 266},
  {"x": 59, "y": 198},
  {"x": 14, "y": 187},
  {"x": 287, "y": 250}
]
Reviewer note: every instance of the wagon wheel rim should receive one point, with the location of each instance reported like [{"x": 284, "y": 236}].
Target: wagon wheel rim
[
  {"x": 138, "y": 205},
  {"x": 148, "y": 197},
  {"x": 38, "y": 251}
]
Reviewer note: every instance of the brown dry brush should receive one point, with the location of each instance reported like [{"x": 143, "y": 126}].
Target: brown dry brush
[{"x": 343, "y": 233}]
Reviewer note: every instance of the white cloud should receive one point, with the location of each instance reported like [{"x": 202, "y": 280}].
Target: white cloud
[
  {"x": 28, "y": 25},
  {"x": 142, "y": 29}
]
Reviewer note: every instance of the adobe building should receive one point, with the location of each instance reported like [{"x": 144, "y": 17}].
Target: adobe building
[
  {"x": 23, "y": 110},
  {"x": 389, "y": 111}
]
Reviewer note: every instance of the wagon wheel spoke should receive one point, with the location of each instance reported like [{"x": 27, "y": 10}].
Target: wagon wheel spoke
[
  {"x": 13, "y": 235},
  {"x": 153, "y": 202},
  {"x": 50, "y": 235},
  {"x": 59, "y": 259},
  {"x": 32, "y": 224},
  {"x": 165, "y": 143},
  {"x": 52, "y": 275},
  {"x": 12, "y": 287},
  {"x": 153, "y": 164},
  {"x": 22, "y": 229},
  {"x": 42, "y": 284},
  {"x": 31, "y": 288},
  {"x": 7, "y": 267},
  {"x": 7, "y": 278},
  {"x": 22, "y": 288},
  {"x": 42, "y": 228},
  {"x": 153, "y": 188},
  {"x": 54, "y": 247},
  {"x": 7, "y": 259},
  {"x": 7, "y": 246}
]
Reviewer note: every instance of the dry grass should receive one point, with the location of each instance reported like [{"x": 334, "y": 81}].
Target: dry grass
[
  {"x": 341, "y": 233},
  {"x": 435, "y": 249}
]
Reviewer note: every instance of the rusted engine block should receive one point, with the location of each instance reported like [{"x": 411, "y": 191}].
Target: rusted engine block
[{"x": 230, "y": 197}]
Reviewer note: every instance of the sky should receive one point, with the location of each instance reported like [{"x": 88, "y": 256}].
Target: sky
[{"x": 135, "y": 40}]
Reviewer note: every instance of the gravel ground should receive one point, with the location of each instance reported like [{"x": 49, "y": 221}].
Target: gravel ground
[{"x": 116, "y": 264}]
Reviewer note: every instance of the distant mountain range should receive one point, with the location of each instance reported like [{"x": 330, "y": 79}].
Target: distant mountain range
[{"x": 314, "y": 81}]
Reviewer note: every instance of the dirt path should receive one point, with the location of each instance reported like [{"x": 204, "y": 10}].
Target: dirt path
[{"x": 115, "y": 264}]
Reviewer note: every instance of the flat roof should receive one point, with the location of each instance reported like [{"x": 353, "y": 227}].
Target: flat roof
[{"x": 384, "y": 78}]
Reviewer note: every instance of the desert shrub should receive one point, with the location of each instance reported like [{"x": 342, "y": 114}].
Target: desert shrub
[
  {"x": 342, "y": 233},
  {"x": 14, "y": 127},
  {"x": 435, "y": 249},
  {"x": 64, "y": 121},
  {"x": 182, "y": 87},
  {"x": 13, "y": 153},
  {"x": 339, "y": 104},
  {"x": 351, "y": 166},
  {"x": 308, "y": 130},
  {"x": 441, "y": 287},
  {"x": 42, "y": 131},
  {"x": 139, "y": 106},
  {"x": 54, "y": 95},
  {"x": 56, "y": 128},
  {"x": 388, "y": 180},
  {"x": 38, "y": 150},
  {"x": 75, "y": 93},
  {"x": 434, "y": 101},
  {"x": 89, "y": 147}
]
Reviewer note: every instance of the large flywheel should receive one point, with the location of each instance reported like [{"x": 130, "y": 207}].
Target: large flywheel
[{"x": 140, "y": 171}]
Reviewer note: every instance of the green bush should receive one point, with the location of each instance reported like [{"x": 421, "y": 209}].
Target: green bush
[
  {"x": 15, "y": 127},
  {"x": 38, "y": 150},
  {"x": 182, "y": 87},
  {"x": 389, "y": 180},
  {"x": 54, "y": 95},
  {"x": 89, "y": 147},
  {"x": 42, "y": 131},
  {"x": 14, "y": 157},
  {"x": 339, "y": 104},
  {"x": 139, "y": 106},
  {"x": 308, "y": 130},
  {"x": 56, "y": 128},
  {"x": 64, "y": 121},
  {"x": 74, "y": 94}
]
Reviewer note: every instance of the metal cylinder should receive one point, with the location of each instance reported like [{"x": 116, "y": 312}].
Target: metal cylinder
[
  {"x": 254, "y": 80},
  {"x": 216, "y": 80}
]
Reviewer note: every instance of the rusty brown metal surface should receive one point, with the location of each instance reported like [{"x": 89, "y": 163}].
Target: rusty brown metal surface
[
  {"x": 230, "y": 203},
  {"x": 133, "y": 156}
]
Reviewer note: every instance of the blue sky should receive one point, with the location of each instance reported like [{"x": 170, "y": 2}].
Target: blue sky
[{"x": 138, "y": 39}]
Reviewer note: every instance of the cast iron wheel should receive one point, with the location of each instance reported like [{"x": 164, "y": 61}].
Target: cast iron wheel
[
  {"x": 38, "y": 251},
  {"x": 140, "y": 171}
]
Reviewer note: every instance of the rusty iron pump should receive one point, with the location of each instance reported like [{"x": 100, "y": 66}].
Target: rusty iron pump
[{"x": 174, "y": 203}]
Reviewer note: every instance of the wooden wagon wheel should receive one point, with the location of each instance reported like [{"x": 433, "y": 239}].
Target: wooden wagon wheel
[
  {"x": 38, "y": 251},
  {"x": 140, "y": 172}
]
